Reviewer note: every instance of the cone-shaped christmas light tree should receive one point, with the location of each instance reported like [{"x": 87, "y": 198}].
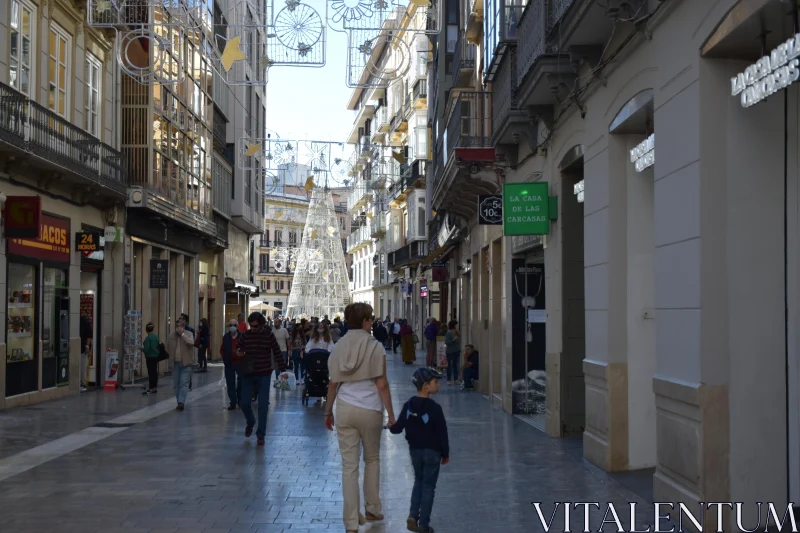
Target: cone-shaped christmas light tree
[{"x": 321, "y": 285}]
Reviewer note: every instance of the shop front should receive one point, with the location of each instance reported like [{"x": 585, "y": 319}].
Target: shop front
[{"x": 238, "y": 295}]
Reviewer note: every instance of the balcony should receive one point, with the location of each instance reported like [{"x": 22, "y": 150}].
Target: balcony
[
  {"x": 465, "y": 159},
  {"x": 419, "y": 95},
  {"x": 362, "y": 193},
  {"x": 509, "y": 121},
  {"x": 399, "y": 125},
  {"x": 398, "y": 192},
  {"x": 382, "y": 124},
  {"x": 463, "y": 62},
  {"x": 409, "y": 254},
  {"x": 378, "y": 226},
  {"x": 220, "y": 131},
  {"x": 500, "y": 33},
  {"x": 263, "y": 243},
  {"x": 222, "y": 176},
  {"x": 359, "y": 239},
  {"x": 94, "y": 171}
]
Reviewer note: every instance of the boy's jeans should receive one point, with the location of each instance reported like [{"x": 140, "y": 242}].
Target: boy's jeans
[
  {"x": 261, "y": 384},
  {"x": 426, "y": 472}
]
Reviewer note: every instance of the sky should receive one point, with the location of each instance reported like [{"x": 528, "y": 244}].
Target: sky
[{"x": 311, "y": 103}]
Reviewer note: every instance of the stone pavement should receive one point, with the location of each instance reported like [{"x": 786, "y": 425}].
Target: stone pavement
[{"x": 160, "y": 471}]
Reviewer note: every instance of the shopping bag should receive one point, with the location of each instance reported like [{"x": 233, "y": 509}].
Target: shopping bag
[
  {"x": 286, "y": 381},
  {"x": 441, "y": 354}
]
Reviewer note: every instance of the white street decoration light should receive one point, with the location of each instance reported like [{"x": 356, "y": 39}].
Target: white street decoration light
[{"x": 320, "y": 286}]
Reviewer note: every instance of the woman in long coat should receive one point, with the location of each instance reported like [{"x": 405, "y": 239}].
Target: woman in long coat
[{"x": 407, "y": 343}]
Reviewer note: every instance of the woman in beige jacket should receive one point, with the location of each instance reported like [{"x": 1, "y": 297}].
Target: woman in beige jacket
[
  {"x": 359, "y": 387},
  {"x": 180, "y": 347}
]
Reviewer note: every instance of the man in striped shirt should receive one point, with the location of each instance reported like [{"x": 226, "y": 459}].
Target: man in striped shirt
[{"x": 260, "y": 345}]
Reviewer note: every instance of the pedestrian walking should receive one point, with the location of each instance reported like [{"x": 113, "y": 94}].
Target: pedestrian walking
[
  {"x": 431, "y": 330},
  {"x": 407, "y": 343},
  {"x": 360, "y": 390},
  {"x": 320, "y": 339},
  {"x": 242, "y": 323},
  {"x": 86, "y": 349},
  {"x": 180, "y": 347},
  {"x": 284, "y": 341},
  {"x": 232, "y": 362},
  {"x": 298, "y": 347},
  {"x": 259, "y": 348},
  {"x": 426, "y": 432},
  {"x": 380, "y": 333},
  {"x": 395, "y": 330},
  {"x": 151, "y": 353},
  {"x": 202, "y": 343},
  {"x": 452, "y": 343}
]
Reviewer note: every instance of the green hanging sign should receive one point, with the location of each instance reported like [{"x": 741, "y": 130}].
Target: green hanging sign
[{"x": 526, "y": 208}]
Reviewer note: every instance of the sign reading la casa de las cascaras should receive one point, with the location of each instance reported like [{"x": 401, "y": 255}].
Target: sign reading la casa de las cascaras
[{"x": 526, "y": 208}]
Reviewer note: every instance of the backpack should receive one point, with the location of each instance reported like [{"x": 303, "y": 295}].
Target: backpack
[{"x": 163, "y": 355}]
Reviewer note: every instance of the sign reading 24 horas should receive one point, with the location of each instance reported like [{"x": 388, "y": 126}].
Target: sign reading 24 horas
[
  {"x": 490, "y": 210},
  {"x": 87, "y": 241},
  {"x": 526, "y": 208}
]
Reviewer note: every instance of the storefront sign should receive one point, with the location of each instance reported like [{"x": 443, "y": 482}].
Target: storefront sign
[
  {"x": 113, "y": 233},
  {"x": 52, "y": 244},
  {"x": 159, "y": 274},
  {"x": 644, "y": 155},
  {"x": 578, "y": 189},
  {"x": 490, "y": 210},
  {"x": 87, "y": 241},
  {"x": 112, "y": 367},
  {"x": 526, "y": 208},
  {"x": 769, "y": 74},
  {"x": 22, "y": 217}
]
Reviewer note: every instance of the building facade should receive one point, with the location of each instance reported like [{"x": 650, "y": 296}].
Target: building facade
[
  {"x": 625, "y": 322},
  {"x": 59, "y": 147}
]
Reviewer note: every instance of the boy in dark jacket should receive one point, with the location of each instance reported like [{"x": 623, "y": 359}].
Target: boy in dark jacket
[{"x": 426, "y": 433}]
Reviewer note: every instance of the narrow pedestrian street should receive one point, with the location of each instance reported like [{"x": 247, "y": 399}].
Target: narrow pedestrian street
[{"x": 130, "y": 463}]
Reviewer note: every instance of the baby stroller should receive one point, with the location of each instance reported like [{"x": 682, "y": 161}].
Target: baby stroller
[{"x": 317, "y": 378}]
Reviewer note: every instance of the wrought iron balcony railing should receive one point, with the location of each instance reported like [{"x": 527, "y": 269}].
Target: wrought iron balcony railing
[
  {"x": 263, "y": 243},
  {"x": 533, "y": 27},
  {"x": 464, "y": 55},
  {"x": 501, "y": 29},
  {"x": 504, "y": 90},
  {"x": 13, "y": 116},
  {"x": 468, "y": 125},
  {"x": 222, "y": 177},
  {"x": 420, "y": 90}
]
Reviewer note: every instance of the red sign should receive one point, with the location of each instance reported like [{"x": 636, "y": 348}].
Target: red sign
[
  {"x": 52, "y": 244},
  {"x": 22, "y": 216}
]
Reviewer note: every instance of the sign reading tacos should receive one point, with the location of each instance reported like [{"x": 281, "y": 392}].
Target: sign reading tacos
[{"x": 53, "y": 243}]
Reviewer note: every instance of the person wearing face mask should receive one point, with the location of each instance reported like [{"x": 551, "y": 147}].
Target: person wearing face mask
[
  {"x": 320, "y": 339},
  {"x": 233, "y": 376},
  {"x": 180, "y": 346}
]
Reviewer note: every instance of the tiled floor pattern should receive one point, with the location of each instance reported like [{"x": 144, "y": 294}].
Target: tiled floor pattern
[{"x": 194, "y": 472}]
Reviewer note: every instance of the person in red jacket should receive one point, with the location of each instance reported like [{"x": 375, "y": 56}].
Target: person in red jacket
[{"x": 259, "y": 346}]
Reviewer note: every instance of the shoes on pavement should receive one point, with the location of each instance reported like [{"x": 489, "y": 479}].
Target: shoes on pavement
[
  {"x": 231, "y": 407},
  {"x": 261, "y": 441},
  {"x": 248, "y": 431},
  {"x": 372, "y": 517},
  {"x": 83, "y": 389},
  {"x": 412, "y": 524},
  {"x": 180, "y": 407}
]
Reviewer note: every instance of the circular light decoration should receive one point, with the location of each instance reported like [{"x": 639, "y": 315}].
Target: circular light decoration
[
  {"x": 313, "y": 267},
  {"x": 298, "y": 27},
  {"x": 401, "y": 58},
  {"x": 159, "y": 67}
]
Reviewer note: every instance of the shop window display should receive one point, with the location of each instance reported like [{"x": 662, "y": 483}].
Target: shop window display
[{"x": 21, "y": 366}]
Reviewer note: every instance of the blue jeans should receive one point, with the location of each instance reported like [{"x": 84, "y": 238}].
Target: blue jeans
[
  {"x": 233, "y": 380},
  {"x": 426, "y": 473},
  {"x": 299, "y": 365},
  {"x": 452, "y": 365},
  {"x": 469, "y": 375},
  {"x": 248, "y": 384},
  {"x": 180, "y": 381}
]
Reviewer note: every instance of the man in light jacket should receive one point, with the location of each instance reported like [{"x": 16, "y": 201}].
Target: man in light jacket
[{"x": 180, "y": 346}]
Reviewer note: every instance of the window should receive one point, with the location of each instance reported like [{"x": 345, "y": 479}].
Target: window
[
  {"x": 282, "y": 282},
  {"x": 263, "y": 285},
  {"x": 268, "y": 284},
  {"x": 93, "y": 76},
  {"x": 58, "y": 71},
  {"x": 292, "y": 238},
  {"x": 22, "y": 25}
]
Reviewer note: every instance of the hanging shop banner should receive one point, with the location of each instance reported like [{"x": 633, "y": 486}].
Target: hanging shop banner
[
  {"x": 423, "y": 289},
  {"x": 112, "y": 367},
  {"x": 87, "y": 241},
  {"x": 159, "y": 274},
  {"x": 769, "y": 74},
  {"x": 441, "y": 353},
  {"x": 490, "y": 210},
  {"x": 52, "y": 244},
  {"x": 22, "y": 216},
  {"x": 526, "y": 208}
]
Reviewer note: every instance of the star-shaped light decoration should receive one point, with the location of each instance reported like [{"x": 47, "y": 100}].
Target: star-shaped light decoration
[
  {"x": 232, "y": 53},
  {"x": 369, "y": 216},
  {"x": 303, "y": 49},
  {"x": 314, "y": 234},
  {"x": 366, "y": 48},
  {"x": 103, "y": 6},
  {"x": 278, "y": 213},
  {"x": 266, "y": 62},
  {"x": 331, "y": 230},
  {"x": 252, "y": 149},
  {"x": 310, "y": 184}
]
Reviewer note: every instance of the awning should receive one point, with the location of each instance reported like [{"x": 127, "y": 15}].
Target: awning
[
  {"x": 235, "y": 285},
  {"x": 263, "y": 306},
  {"x": 439, "y": 252}
]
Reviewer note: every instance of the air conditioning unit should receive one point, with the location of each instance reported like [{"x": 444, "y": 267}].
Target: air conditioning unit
[{"x": 136, "y": 197}]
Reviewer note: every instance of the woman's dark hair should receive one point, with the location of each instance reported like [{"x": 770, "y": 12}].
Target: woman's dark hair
[
  {"x": 404, "y": 322},
  {"x": 203, "y": 322},
  {"x": 355, "y": 314},
  {"x": 149, "y": 327},
  {"x": 452, "y": 324},
  {"x": 315, "y": 335},
  {"x": 256, "y": 317}
]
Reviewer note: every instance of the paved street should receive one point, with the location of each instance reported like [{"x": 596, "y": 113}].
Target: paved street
[{"x": 154, "y": 470}]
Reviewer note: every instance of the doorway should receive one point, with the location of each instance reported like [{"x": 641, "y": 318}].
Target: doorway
[{"x": 90, "y": 327}]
